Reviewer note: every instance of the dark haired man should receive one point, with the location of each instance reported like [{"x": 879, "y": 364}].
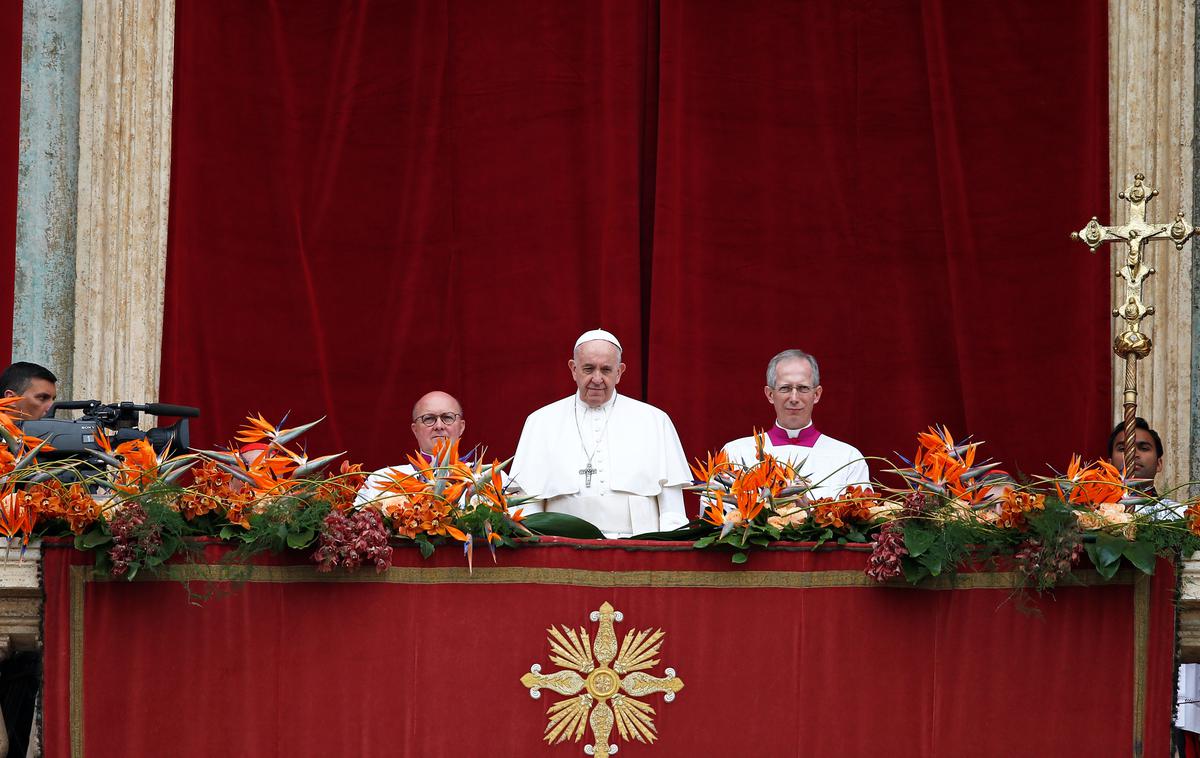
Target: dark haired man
[
  {"x": 1148, "y": 453},
  {"x": 35, "y": 385}
]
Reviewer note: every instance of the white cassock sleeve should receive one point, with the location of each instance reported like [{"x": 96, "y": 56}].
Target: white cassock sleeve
[{"x": 671, "y": 513}]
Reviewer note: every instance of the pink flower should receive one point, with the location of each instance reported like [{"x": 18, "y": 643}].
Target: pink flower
[
  {"x": 351, "y": 539},
  {"x": 886, "y": 551}
]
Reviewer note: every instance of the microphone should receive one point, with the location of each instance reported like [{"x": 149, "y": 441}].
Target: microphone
[
  {"x": 154, "y": 409},
  {"x": 166, "y": 409}
]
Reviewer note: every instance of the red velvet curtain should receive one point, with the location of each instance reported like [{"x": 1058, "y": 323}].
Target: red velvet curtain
[
  {"x": 10, "y": 130},
  {"x": 888, "y": 185},
  {"x": 371, "y": 200},
  {"x": 426, "y": 660}
]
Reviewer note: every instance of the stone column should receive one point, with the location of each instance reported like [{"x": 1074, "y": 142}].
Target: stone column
[
  {"x": 1151, "y": 48},
  {"x": 1195, "y": 394},
  {"x": 124, "y": 179},
  {"x": 44, "y": 295}
]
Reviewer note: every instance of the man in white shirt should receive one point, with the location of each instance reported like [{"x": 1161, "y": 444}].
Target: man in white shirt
[
  {"x": 606, "y": 458},
  {"x": 794, "y": 388},
  {"x": 436, "y": 416}
]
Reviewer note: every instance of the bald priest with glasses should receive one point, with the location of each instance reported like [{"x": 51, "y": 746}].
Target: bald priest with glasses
[
  {"x": 794, "y": 388},
  {"x": 436, "y": 416}
]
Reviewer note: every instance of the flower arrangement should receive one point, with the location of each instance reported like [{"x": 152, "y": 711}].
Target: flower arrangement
[
  {"x": 447, "y": 496},
  {"x": 951, "y": 511},
  {"x": 140, "y": 508},
  {"x": 768, "y": 500}
]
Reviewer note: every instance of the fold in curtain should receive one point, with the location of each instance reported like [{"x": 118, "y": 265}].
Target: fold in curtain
[
  {"x": 889, "y": 186},
  {"x": 371, "y": 200}
]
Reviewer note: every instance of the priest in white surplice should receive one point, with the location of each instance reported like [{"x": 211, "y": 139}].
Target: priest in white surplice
[
  {"x": 794, "y": 388},
  {"x": 603, "y": 457},
  {"x": 436, "y": 417}
]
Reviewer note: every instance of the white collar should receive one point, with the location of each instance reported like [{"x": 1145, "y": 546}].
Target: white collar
[
  {"x": 793, "y": 433},
  {"x": 605, "y": 408}
]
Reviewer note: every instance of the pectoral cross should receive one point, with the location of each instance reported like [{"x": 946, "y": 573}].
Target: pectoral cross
[
  {"x": 1132, "y": 344},
  {"x": 587, "y": 473}
]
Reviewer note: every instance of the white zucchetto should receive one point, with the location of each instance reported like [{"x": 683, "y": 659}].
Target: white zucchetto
[{"x": 598, "y": 334}]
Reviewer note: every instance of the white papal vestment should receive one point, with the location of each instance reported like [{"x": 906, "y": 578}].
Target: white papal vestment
[{"x": 619, "y": 466}]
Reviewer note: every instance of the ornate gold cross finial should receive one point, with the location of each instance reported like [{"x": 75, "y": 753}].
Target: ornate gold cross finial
[
  {"x": 1132, "y": 344},
  {"x": 604, "y": 690}
]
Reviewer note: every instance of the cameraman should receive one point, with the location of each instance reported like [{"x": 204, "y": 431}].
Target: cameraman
[{"x": 36, "y": 386}]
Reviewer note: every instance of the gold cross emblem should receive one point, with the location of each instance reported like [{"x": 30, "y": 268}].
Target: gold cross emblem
[
  {"x": 1132, "y": 344},
  {"x": 604, "y": 683}
]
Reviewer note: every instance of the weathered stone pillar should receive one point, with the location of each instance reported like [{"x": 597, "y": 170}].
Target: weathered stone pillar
[
  {"x": 1151, "y": 48},
  {"x": 1153, "y": 75},
  {"x": 1195, "y": 363},
  {"x": 44, "y": 295},
  {"x": 124, "y": 180}
]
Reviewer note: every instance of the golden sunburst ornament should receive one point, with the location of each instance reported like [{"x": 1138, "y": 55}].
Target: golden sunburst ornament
[{"x": 603, "y": 694}]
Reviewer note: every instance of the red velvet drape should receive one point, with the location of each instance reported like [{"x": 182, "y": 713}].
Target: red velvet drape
[
  {"x": 371, "y": 200},
  {"x": 426, "y": 660},
  {"x": 10, "y": 129},
  {"x": 888, "y": 185}
]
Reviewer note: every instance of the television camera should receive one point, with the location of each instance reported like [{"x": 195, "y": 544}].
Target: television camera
[{"x": 75, "y": 439}]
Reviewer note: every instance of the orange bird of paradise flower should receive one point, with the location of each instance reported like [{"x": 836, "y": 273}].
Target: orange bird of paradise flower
[
  {"x": 1092, "y": 485},
  {"x": 17, "y": 517},
  {"x": 706, "y": 471},
  {"x": 728, "y": 520}
]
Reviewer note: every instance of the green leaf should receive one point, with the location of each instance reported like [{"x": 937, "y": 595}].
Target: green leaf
[
  {"x": 562, "y": 525},
  {"x": 92, "y": 539},
  {"x": 682, "y": 534},
  {"x": 856, "y": 536},
  {"x": 933, "y": 562},
  {"x": 1141, "y": 554},
  {"x": 1109, "y": 548},
  {"x": 229, "y": 531},
  {"x": 739, "y": 557},
  {"x": 300, "y": 540},
  {"x": 917, "y": 541},
  {"x": 914, "y": 572},
  {"x": 426, "y": 548},
  {"x": 704, "y": 542},
  {"x": 1108, "y": 571}
]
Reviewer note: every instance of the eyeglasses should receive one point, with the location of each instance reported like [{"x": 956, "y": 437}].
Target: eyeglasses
[
  {"x": 429, "y": 419},
  {"x": 799, "y": 389}
]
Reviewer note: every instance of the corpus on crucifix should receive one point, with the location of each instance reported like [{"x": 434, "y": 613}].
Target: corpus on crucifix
[{"x": 1132, "y": 344}]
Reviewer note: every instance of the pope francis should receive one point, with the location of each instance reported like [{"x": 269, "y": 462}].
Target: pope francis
[{"x": 601, "y": 456}]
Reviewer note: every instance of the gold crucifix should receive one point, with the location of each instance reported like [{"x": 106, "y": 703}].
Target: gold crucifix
[{"x": 1132, "y": 344}]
